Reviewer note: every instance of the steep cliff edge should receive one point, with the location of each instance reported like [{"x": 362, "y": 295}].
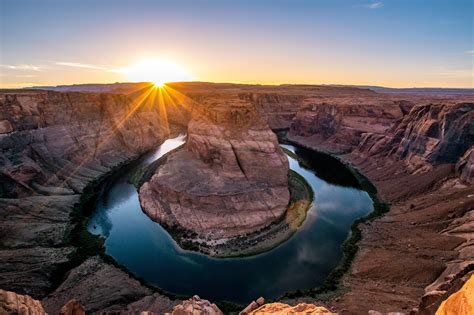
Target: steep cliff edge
[
  {"x": 53, "y": 145},
  {"x": 420, "y": 162},
  {"x": 230, "y": 179}
]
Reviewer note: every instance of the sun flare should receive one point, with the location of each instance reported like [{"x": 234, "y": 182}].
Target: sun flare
[{"x": 157, "y": 71}]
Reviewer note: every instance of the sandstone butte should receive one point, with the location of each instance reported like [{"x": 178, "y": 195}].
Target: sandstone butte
[{"x": 230, "y": 178}]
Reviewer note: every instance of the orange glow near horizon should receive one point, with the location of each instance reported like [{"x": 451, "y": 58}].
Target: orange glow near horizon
[{"x": 156, "y": 71}]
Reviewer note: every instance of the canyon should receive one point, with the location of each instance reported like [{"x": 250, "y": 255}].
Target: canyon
[{"x": 417, "y": 149}]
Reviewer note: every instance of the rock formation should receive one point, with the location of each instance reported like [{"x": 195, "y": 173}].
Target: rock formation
[
  {"x": 230, "y": 179},
  {"x": 12, "y": 303},
  {"x": 461, "y": 302},
  {"x": 338, "y": 126},
  {"x": 196, "y": 305},
  {"x": 73, "y": 307},
  {"x": 299, "y": 309}
]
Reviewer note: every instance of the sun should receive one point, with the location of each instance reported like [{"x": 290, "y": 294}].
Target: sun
[{"x": 156, "y": 71}]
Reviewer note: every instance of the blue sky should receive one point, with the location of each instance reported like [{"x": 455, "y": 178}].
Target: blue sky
[{"x": 402, "y": 43}]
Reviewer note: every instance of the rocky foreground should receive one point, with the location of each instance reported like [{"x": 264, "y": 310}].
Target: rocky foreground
[
  {"x": 229, "y": 180},
  {"x": 460, "y": 302},
  {"x": 416, "y": 149}
]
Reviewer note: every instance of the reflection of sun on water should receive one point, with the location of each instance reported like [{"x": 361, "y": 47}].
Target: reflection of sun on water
[{"x": 157, "y": 71}]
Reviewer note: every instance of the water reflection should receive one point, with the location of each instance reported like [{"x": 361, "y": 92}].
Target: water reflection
[{"x": 300, "y": 263}]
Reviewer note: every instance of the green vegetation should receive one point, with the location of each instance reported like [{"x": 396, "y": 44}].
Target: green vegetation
[
  {"x": 137, "y": 176},
  {"x": 299, "y": 187},
  {"x": 289, "y": 153}
]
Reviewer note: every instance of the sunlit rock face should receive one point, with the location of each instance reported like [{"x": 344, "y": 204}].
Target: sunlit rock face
[
  {"x": 281, "y": 308},
  {"x": 231, "y": 177},
  {"x": 461, "y": 302}
]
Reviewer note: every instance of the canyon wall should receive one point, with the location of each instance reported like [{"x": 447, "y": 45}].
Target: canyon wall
[
  {"x": 277, "y": 109},
  {"x": 52, "y": 146},
  {"x": 418, "y": 153},
  {"x": 230, "y": 179}
]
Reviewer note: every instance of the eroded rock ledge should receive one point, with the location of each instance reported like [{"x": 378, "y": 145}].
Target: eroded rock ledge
[{"x": 230, "y": 179}]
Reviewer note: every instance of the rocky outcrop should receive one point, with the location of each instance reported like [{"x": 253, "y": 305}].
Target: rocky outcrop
[
  {"x": 281, "y": 308},
  {"x": 12, "y": 303},
  {"x": 461, "y": 302},
  {"x": 339, "y": 126},
  {"x": 277, "y": 109},
  {"x": 434, "y": 134},
  {"x": 465, "y": 166},
  {"x": 94, "y": 284},
  {"x": 73, "y": 307},
  {"x": 196, "y": 305},
  {"x": 230, "y": 179}
]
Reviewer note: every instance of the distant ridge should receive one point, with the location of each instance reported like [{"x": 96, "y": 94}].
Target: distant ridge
[{"x": 128, "y": 87}]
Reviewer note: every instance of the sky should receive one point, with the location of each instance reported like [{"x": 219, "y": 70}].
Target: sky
[{"x": 394, "y": 43}]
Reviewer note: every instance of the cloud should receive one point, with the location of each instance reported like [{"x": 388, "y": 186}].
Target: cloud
[
  {"x": 373, "y": 6},
  {"x": 81, "y": 65},
  {"x": 22, "y": 67},
  {"x": 18, "y": 85},
  {"x": 25, "y": 76},
  {"x": 470, "y": 52}
]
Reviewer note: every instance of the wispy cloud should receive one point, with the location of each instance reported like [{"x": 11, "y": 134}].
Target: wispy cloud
[
  {"x": 81, "y": 65},
  {"x": 373, "y": 6},
  {"x": 17, "y": 85},
  {"x": 25, "y": 76},
  {"x": 22, "y": 67},
  {"x": 469, "y": 52}
]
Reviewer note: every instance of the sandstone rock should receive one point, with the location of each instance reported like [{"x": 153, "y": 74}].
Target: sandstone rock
[
  {"x": 339, "y": 125},
  {"x": 251, "y": 307},
  {"x": 465, "y": 167},
  {"x": 277, "y": 109},
  {"x": 73, "y": 307},
  {"x": 231, "y": 178},
  {"x": 280, "y": 308},
  {"x": 461, "y": 302},
  {"x": 12, "y": 303},
  {"x": 196, "y": 305},
  {"x": 98, "y": 286},
  {"x": 155, "y": 304},
  {"x": 5, "y": 126}
]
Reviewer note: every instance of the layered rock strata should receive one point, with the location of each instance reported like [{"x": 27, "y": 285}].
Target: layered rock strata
[
  {"x": 53, "y": 145},
  {"x": 421, "y": 164},
  {"x": 230, "y": 179}
]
